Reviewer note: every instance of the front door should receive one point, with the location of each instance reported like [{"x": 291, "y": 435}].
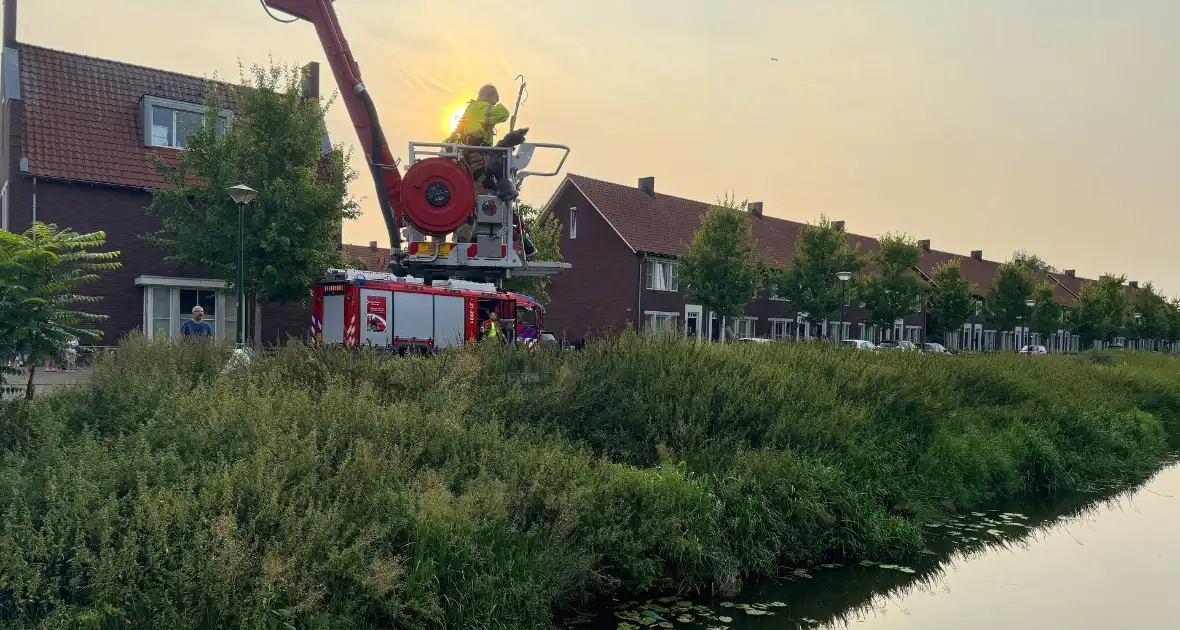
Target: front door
[{"x": 692, "y": 321}]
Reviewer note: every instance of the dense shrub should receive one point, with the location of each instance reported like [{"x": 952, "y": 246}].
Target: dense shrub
[{"x": 329, "y": 489}]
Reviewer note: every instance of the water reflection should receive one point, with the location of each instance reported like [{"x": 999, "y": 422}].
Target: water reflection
[{"x": 1095, "y": 559}]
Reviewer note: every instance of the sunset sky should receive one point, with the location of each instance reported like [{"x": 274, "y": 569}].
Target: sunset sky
[{"x": 1052, "y": 126}]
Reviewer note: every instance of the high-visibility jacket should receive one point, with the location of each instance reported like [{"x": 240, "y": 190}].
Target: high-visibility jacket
[
  {"x": 480, "y": 119},
  {"x": 492, "y": 328}
]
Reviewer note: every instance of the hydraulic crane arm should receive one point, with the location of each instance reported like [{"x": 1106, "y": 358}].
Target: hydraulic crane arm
[{"x": 359, "y": 103}]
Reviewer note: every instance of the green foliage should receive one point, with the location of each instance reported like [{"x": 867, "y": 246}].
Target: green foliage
[
  {"x": 331, "y": 489},
  {"x": 810, "y": 281},
  {"x": 41, "y": 274},
  {"x": 1032, "y": 262},
  {"x": 274, "y": 145},
  {"x": 952, "y": 301},
  {"x": 1011, "y": 288},
  {"x": 1102, "y": 309},
  {"x": 1151, "y": 308},
  {"x": 546, "y": 238},
  {"x": 1172, "y": 321},
  {"x": 721, "y": 268},
  {"x": 1047, "y": 315},
  {"x": 893, "y": 290}
]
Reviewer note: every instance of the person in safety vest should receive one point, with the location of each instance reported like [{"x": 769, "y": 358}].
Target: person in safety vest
[
  {"x": 491, "y": 328},
  {"x": 477, "y": 127}
]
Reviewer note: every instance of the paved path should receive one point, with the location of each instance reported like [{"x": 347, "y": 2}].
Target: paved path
[{"x": 44, "y": 382}]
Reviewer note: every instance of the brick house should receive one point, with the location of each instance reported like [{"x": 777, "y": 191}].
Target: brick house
[
  {"x": 622, "y": 242},
  {"x": 77, "y": 133}
]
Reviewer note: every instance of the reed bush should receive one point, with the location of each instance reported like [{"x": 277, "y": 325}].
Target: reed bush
[{"x": 320, "y": 488}]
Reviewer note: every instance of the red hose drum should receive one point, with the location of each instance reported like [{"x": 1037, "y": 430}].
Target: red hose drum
[{"x": 437, "y": 195}]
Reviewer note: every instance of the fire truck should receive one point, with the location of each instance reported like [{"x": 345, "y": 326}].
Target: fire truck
[
  {"x": 463, "y": 234},
  {"x": 460, "y": 221},
  {"x": 355, "y": 308}
]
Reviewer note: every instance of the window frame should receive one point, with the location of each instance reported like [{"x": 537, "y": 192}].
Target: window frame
[
  {"x": 147, "y": 112},
  {"x": 4, "y": 207},
  {"x": 573, "y": 223},
  {"x": 652, "y": 319},
  {"x": 650, "y": 265},
  {"x": 224, "y": 320},
  {"x": 779, "y": 321}
]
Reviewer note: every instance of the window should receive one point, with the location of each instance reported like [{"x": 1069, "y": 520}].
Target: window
[
  {"x": 661, "y": 275},
  {"x": 779, "y": 329},
  {"x": 573, "y": 223},
  {"x": 169, "y": 302},
  {"x": 170, "y": 123},
  {"x": 774, "y": 295},
  {"x": 743, "y": 327},
  {"x": 661, "y": 321},
  {"x": 4, "y": 207}
]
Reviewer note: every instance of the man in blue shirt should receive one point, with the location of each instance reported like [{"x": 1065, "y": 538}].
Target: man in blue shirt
[{"x": 197, "y": 327}]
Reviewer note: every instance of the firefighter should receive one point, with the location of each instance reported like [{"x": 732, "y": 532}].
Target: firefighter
[
  {"x": 477, "y": 127},
  {"x": 490, "y": 329}
]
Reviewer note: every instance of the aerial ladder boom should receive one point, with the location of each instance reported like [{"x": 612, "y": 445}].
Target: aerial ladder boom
[{"x": 437, "y": 197}]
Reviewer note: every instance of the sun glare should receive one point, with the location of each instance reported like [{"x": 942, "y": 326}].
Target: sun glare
[{"x": 452, "y": 120}]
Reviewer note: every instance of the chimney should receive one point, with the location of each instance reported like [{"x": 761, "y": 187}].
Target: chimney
[
  {"x": 311, "y": 80},
  {"x": 1134, "y": 284},
  {"x": 924, "y": 244},
  {"x": 977, "y": 254},
  {"x": 647, "y": 185},
  {"x": 838, "y": 226},
  {"x": 9, "y": 23},
  {"x": 372, "y": 246},
  {"x": 1069, "y": 273},
  {"x": 755, "y": 208}
]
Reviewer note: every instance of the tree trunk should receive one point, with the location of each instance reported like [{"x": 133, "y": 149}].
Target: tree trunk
[{"x": 29, "y": 385}]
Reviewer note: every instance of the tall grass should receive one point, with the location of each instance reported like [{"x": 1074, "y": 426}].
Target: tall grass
[{"x": 329, "y": 489}]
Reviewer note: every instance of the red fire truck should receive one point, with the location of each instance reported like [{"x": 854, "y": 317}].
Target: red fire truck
[{"x": 356, "y": 308}]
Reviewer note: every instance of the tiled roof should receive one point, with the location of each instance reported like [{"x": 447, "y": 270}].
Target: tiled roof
[
  {"x": 665, "y": 224},
  {"x": 82, "y": 115},
  {"x": 374, "y": 258}
]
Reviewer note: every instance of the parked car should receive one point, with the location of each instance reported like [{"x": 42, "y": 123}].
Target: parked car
[
  {"x": 1035, "y": 351},
  {"x": 752, "y": 340},
  {"x": 859, "y": 344},
  {"x": 936, "y": 348},
  {"x": 887, "y": 345}
]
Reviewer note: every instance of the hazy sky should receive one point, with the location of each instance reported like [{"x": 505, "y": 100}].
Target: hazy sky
[{"x": 1052, "y": 125}]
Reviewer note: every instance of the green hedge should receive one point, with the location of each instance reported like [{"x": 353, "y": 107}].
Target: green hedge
[{"x": 332, "y": 489}]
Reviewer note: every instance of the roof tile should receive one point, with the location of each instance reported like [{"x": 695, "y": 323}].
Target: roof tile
[
  {"x": 665, "y": 224},
  {"x": 82, "y": 115}
]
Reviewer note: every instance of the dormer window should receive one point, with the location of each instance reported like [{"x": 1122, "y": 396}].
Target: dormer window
[{"x": 168, "y": 124}]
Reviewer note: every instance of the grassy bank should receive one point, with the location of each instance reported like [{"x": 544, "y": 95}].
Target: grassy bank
[{"x": 322, "y": 489}]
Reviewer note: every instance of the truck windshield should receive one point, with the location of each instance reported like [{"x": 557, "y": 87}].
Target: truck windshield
[{"x": 526, "y": 317}]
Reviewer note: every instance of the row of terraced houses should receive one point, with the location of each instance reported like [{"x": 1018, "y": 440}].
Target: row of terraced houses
[{"x": 77, "y": 133}]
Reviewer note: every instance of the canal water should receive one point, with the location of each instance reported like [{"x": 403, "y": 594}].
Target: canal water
[{"x": 1100, "y": 558}]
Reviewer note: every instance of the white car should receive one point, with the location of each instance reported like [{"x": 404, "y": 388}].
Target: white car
[{"x": 859, "y": 344}]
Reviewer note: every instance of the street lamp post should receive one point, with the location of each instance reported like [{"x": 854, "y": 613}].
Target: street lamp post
[
  {"x": 1032, "y": 321},
  {"x": 1138, "y": 317},
  {"x": 242, "y": 195},
  {"x": 974, "y": 340},
  {"x": 843, "y": 277}
]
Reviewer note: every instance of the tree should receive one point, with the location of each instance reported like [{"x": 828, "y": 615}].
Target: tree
[
  {"x": 1151, "y": 307},
  {"x": 720, "y": 266},
  {"x": 1047, "y": 314},
  {"x": 41, "y": 271},
  {"x": 1101, "y": 311},
  {"x": 951, "y": 301},
  {"x": 810, "y": 282},
  {"x": 1172, "y": 321},
  {"x": 274, "y": 144},
  {"x": 546, "y": 239},
  {"x": 893, "y": 291},
  {"x": 1005, "y": 304},
  {"x": 1032, "y": 262}
]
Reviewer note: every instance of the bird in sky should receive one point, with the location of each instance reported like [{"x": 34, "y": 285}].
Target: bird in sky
[{"x": 774, "y": 58}]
